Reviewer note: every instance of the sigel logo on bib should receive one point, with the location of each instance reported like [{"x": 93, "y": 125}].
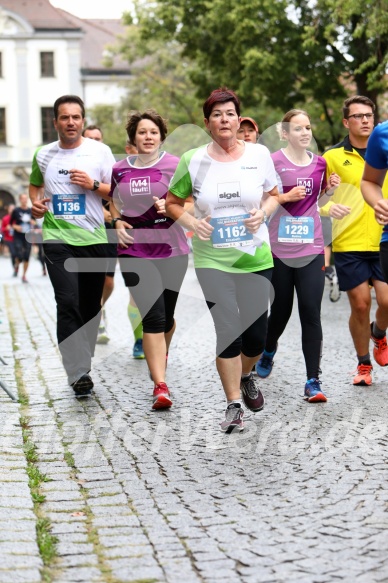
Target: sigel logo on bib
[{"x": 228, "y": 191}]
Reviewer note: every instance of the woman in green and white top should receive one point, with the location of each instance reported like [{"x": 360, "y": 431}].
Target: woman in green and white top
[{"x": 234, "y": 188}]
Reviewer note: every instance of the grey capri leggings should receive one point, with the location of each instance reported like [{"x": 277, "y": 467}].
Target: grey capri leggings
[{"x": 238, "y": 304}]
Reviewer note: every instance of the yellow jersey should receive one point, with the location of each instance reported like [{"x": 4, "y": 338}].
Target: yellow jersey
[{"x": 359, "y": 230}]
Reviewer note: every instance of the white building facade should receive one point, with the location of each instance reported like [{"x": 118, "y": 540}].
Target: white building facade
[{"x": 44, "y": 53}]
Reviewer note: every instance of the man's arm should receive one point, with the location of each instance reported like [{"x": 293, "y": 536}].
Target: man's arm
[
  {"x": 371, "y": 188},
  {"x": 39, "y": 207},
  {"x": 86, "y": 182}
]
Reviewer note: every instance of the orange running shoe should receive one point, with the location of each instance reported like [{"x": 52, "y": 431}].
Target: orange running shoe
[
  {"x": 380, "y": 350},
  {"x": 363, "y": 376}
]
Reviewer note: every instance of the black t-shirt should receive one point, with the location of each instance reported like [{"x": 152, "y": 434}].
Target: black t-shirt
[{"x": 21, "y": 217}]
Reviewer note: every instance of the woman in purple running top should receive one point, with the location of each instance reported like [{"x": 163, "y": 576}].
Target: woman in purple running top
[
  {"x": 153, "y": 250},
  {"x": 298, "y": 247}
]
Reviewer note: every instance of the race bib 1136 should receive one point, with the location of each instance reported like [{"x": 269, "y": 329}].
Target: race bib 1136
[{"x": 68, "y": 206}]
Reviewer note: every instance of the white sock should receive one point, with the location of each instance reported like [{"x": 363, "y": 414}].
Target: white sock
[{"x": 234, "y": 402}]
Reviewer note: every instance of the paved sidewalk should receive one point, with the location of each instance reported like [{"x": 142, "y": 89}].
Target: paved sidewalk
[{"x": 139, "y": 496}]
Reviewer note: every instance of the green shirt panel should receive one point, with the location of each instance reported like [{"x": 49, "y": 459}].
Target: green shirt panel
[{"x": 58, "y": 229}]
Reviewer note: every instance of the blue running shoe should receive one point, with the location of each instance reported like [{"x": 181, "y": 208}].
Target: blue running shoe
[
  {"x": 313, "y": 392},
  {"x": 138, "y": 351},
  {"x": 265, "y": 364}
]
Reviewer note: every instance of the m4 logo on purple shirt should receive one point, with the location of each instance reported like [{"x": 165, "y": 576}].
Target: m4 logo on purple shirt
[
  {"x": 307, "y": 183},
  {"x": 140, "y": 185}
]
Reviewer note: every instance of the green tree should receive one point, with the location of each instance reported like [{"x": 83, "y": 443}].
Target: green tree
[
  {"x": 160, "y": 77},
  {"x": 278, "y": 54},
  {"x": 112, "y": 123}
]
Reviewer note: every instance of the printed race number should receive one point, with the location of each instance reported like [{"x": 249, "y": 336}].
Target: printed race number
[
  {"x": 230, "y": 232},
  {"x": 68, "y": 206},
  {"x": 296, "y": 230}
]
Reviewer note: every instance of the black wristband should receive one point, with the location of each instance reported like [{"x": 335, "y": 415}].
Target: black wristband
[{"x": 114, "y": 221}]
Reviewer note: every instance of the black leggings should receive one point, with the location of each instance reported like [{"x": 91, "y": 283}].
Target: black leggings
[
  {"x": 309, "y": 282},
  {"x": 155, "y": 285},
  {"x": 238, "y": 304}
]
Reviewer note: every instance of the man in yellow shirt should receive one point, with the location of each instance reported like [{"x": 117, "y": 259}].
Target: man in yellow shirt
[{"x": 356, "y": 238}]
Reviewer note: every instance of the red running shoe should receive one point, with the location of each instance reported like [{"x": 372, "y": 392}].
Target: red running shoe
[
  {"x": 161, "y": 397},
  {"x": 380, "y": 350}
]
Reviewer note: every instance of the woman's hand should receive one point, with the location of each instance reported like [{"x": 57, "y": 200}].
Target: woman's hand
[
  {"x": 339, "y": 211},
  {"x": 160, "y": 205},
  {"x": 256, "y": 219},
  {"x": 124, "y": 238},
  {"x": 293, "y": 195},
  {"x": 203, "y": 229}
]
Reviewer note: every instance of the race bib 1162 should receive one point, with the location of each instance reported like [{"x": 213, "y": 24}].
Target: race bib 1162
[{"x": 231, "y": 232}]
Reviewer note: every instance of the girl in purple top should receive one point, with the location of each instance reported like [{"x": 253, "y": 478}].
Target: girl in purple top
[
  {"x": 153, "y": 250},
  {"x": 298, "y": 248}
]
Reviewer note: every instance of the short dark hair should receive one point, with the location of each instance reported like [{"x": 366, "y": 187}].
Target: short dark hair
[
  {"x": 136, "y": 117},
  {"x": 68, "y": 99},
  {"x": 356, "y": 99},
  {"x": 92, "y": 127},
  {"x": 221, "y": 95}
]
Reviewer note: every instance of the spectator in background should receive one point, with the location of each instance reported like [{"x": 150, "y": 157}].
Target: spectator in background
[
  {"x": 93, "y": 132},
  {"x": 21, "y": 222},
  {"x": 7, "y": 232},
  {"x": 38, "y": 242}
]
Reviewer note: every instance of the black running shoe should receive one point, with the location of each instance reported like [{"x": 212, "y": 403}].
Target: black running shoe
[{"x": 83, "y": 386}]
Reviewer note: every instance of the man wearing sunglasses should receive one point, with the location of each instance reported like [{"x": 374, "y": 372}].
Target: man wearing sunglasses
[{"x": 356, "y": 239}]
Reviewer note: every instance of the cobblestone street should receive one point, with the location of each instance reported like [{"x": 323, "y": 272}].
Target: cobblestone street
[{"x": 106, "y": 490}]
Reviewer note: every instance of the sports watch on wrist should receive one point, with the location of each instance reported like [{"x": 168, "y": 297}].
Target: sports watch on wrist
[
  {"x": 265, "y": 218},
  {"x": 96, "y": 185},
  {"x": 114, "y": 221}
]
